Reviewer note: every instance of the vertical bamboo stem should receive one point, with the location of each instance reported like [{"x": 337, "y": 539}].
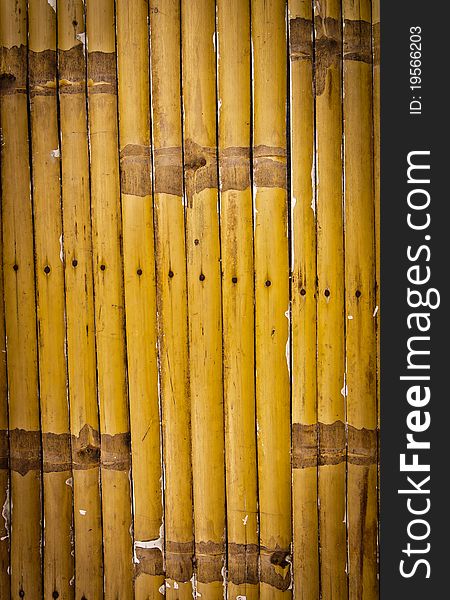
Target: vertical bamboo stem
[
  {"x": 272, "y": 295},
  {"x": 109, "y": 302},
  {"x": 79, "y": 301},
  {"x": 303, "y": 318},
  {"x": 140, "y": 293},
  {"x": 5, "y": 500},
  {"x": 234, "y": 112},
  {"x": 360, "y": 300},
  {"x": 57, "y": 558},
  {"x": 19, "y": 297},
  {"x": 330, "y": 317},
  {"x": 204, "y": 291},
  {"x": 172, "y": 296}
]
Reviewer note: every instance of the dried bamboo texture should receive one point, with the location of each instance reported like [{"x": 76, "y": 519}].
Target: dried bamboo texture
[
  {"x": 272, "y": 295},
  {"x": 234, "y": 114},
  {"x": 172, "y": 297},
  {"x": 109, "y": 301},
  {"x": 331, "y": 379},
  {"x": 360, "y": 301},
  {"x": 81, "y": 359},
  {"x": 304, "y": 306},
  {"x": 140, "y": 293},
  {"x": 20, "y": 308},
  {"x": 57, "y": 531},
  {"x": 204, "y": 292}
]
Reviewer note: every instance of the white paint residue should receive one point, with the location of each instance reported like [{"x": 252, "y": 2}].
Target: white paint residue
[
  {"x": 375, "y": 311},
  {"x": 288, "y": 354},
  {"x": 195, "y": 594},
  {"x": 148, "y": 544},
  {"x": 69, "y": 482},
  {"x": 81, "y": 37},
  {"x": 72, "y": 581},
  {"x": 6, "y": 514},
  {"x": 345, "y": 516},
  {"x": 344, "y": 390},
  {"x": 223, "y": 572},
  {"x": 162, "y": 590},
  {"x": 61, "y": 249},
  {"x": 52, "y": 3},
  {"x": 350, "y": 317},
  {"x": 313, "y": 205},
  {"x": 214, "y": 41},
  {"x": 241, "y": 597},
  {"x": 175, "y": 585},
  {"x": 82, "y": 512},
  {"x": 55, "y": 153},
  {"x": 245, "y": 520},
  {"x": 167, "y": 585}
]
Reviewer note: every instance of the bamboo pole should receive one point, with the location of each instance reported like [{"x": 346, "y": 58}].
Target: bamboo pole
[
  {"x": 5, "y": 504},
  {"x": 19, "y": 298},
  {"x": 234, "y": 115},
  {"x": 140, "y": 293},
  {"x": 81, "y": 358},
  {"x": 360, "y": 301},
  {"x": 204, "y": 291},
  {"x": 172, "y": 297},
  {"x": 303, "y": 294},
  {"x": 109, "y": 302},
  {"x": 272, "y": 295},
  {"x": 330, "y": 317},
  {"x": 57, "y": 532}
]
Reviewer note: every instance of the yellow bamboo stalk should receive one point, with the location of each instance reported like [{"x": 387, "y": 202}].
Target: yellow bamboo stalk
[
  {"x": 5, "y": 504},
  {"x": 19, "y": 297},
  {"x": 109, "y": 302},
  {"x": 360, "y": 301},
  {"x": 331, "y": 324},
  {"x": 57, "y": 533},
  {"x": 79, "y": 301},
  {"x": 234, "y": 112},
  {"x": 204, "y": 291},
  {"x": 303, "y": 318},
  {"x": 272, "y": 295},
  {"x": 140, "y": 293},
  {"x": 172, "y": 296}
]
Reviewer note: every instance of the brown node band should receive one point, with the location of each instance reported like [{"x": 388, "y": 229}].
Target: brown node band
[
  {"x": 135, "y": 170},
  {"x": 4, "y": 449},
  {"x": 269, "y": 166},
  {"x": 200, "y": 164},
  {"x": 243, "y": 563},
  {"x": 209, "y": 559},
  {"x": 275, "y": 567},
  {"x": 25, "y": 450},
  {"x": 234, "y": 168},
  {"x": 301, "y": 39},
  {"x": 42, "y": 73},
  {"x": 304, "y": 445},
  {"x": 72, "y": 70},
  {"x": 86, "y": 448},
  {"x": 357, "y": 41},
  {"x": 102, "y": 73},
  {"x": 168, "y": 171},
  {"x": 179, "y": 560},
  {"x": 149, "y": 561},
  {"x": 362, "y": 446},
  {"x": 115, "y": 451},
  {"x": 13, "y": 70},
  {"x": 327, "y": 49},
  {"x": 332, "y": 443}
]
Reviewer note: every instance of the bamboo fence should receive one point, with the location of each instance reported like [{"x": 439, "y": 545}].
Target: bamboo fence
[{"x": 189, "y": 286}]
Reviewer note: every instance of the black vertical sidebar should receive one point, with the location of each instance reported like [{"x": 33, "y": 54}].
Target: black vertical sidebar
[{"x": 415, "y": 331}]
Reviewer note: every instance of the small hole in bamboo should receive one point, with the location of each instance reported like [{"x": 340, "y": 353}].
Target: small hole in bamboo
[
  {"x": 74, "y": 262},
  {"x": 139, "y": 272},
  {"x": 234, "y": 279},
  {"x": 16, "y": 267},
  {"x": 268, "y": 283},
  {"x": 196, "y": 242},
  {"x": 202, "y": 277},
  {"x": 171, "y": 274},
  {"x": 358, "y": 294},
  {"x": 21, "y": 593},
  {"x": 302, "y": 292},
  {"x": 327, "y": 293},
  {"x": 46, "y": 269},
  {"x": 55, "y": 594},
  {"x": 102, "y": 267}
]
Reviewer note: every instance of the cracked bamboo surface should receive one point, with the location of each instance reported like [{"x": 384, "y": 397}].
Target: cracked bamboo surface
[{"x": 189, "y": 285}]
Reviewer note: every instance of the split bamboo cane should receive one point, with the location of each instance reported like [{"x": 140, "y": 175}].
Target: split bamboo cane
[
  {"x": 5, "y": 500},
  {"x": 84, "y": 418},
  {"x": 272, "y": 295},
  {"x": 20, "y": 307},
  {"x": 140, "y": 293},
  {"x": 360, "y": 301},
  {"x": 303, "y": 295},
  {"x": 330, "y": 317},
  {"x": 172, "y": 296},
  {"x": 234, "y": 116},
  {"x": 204, "y": 292},
  {"x": 109, "y": 301},
  {"x": 57, "y": 531}
]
